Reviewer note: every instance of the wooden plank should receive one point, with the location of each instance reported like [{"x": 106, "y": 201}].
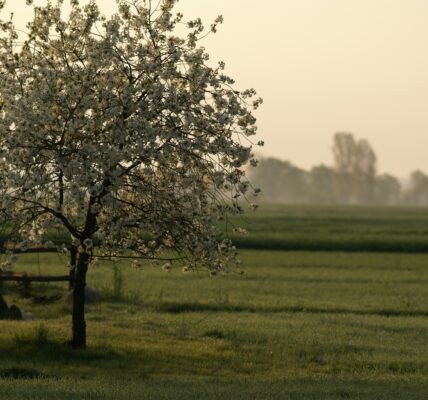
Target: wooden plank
[
  {"x": 35, "y": 278},
  {"x": 17, "y": 250}
]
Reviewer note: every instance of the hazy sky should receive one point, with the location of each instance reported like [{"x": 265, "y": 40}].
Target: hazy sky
[{"x": 324, "y": 66}]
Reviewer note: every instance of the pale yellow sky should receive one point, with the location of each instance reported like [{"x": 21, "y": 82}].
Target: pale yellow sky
[{"x": 324, "y": 66}]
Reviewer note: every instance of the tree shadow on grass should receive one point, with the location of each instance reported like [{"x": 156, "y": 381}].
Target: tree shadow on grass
[
  {"x": 183, "y": 307},
  {"x": 51, "y": 359}
]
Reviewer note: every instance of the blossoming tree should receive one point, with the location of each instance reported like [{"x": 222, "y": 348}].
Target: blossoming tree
[{"x": 119, "y": 131}]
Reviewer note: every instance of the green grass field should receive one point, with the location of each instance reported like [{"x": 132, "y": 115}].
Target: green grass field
[
  {"x": 328, "y": 228},
  {"x": 297, "y": 325}
]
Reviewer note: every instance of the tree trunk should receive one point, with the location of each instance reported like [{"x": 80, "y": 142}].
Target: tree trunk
[
  {"x": 4, "y": 309},
  {"x": 73, "y": 260},
  {"x": 78, "y": 319}
]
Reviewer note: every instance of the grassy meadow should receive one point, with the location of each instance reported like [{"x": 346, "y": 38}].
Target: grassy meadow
[
  {"x": 334, "y": 228},
  {"x": 314, "y": 322}
]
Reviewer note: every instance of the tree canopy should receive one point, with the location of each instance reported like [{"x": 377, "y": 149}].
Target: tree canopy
[{"x": 119, "y": 131}]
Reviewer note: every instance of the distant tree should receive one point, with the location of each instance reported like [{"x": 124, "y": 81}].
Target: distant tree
[
  {"x": 295, "y": 183},
  {"x": 344, "y": 152},
  {"x": 280, "y": 181},
  {"x": 365, "y": 171},
  {"x": 267, "y": 177},
  {"x": 321, "y": 186},
  {"x": 417, "y": 193},
  {"x": 355, "y": 164},
  {"x": 116, "y": 127},
  {"x": 387, "y": 190}
]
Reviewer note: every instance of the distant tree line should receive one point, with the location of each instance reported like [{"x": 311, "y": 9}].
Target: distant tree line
[{"x": 353, "y": 179}]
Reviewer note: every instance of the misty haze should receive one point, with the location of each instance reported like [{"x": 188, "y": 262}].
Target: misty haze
[{"x": 352, "y": 179}]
